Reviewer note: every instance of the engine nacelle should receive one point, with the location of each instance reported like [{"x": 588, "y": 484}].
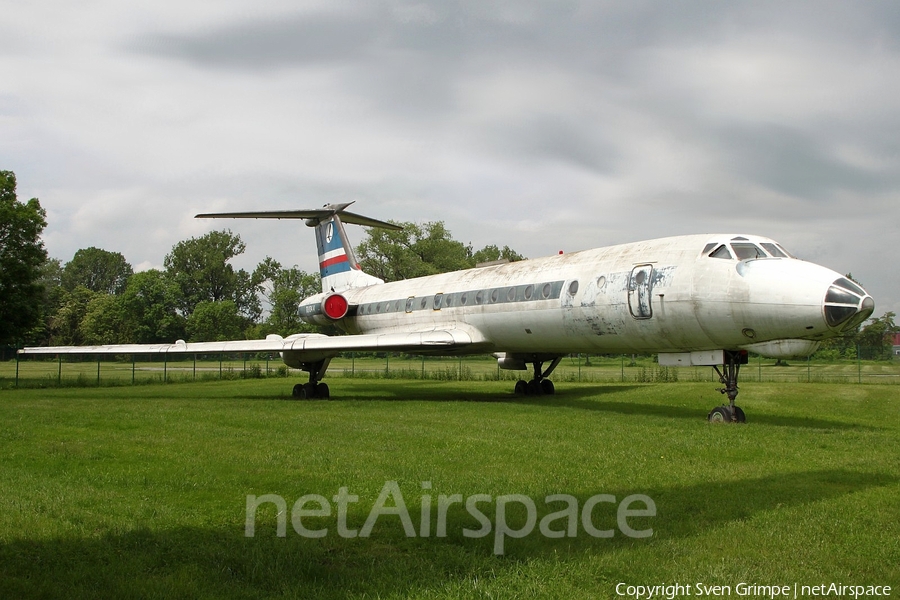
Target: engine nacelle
[
  {"x": 510, "y": 363},
  {"x": 324, "y": 309},
  {"x": 784, "y": 348}
]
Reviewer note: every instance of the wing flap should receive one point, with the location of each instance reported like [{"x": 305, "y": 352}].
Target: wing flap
[{"x": 384, "y": 341}]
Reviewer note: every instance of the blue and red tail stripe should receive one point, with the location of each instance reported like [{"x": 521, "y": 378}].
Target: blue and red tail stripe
[{"x": 333, "y": 257}]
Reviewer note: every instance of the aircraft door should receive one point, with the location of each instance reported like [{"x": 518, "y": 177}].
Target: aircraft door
[{"x": 639, "y": 289}]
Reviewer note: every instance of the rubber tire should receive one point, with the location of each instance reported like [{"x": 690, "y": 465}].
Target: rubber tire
[
  {"x": 720, "y": 414},
  {"x": 322, "y": 391},
  {"x": 547, "y": 387},
  {"x": 298, "y": 392},
  {"x": 521, "y": 388},
  {"x": 533, "y": 388},
  {"x": 739, "y": 415}
]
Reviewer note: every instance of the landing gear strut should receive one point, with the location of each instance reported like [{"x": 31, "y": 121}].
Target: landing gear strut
[
  {"x": 313, "y": 389},
  {"x": 540, "y": 384},
  {"x": 729, "y": 378}
]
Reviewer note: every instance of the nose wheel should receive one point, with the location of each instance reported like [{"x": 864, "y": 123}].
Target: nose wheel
[{"x": 728, "y": 377}]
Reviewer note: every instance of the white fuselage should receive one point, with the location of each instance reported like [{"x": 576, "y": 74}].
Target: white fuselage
[{"x": 664, "y": 295}]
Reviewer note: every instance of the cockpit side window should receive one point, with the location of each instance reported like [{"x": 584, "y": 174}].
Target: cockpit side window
[
  {"x": 773, "y": 250},
  {"x": 745, "y": 251},
  {"x": 721, "y": 252},
  {"x": 708, "y": 248}
]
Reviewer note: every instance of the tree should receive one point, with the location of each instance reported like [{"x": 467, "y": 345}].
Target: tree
[
  {"x": 150, "y": 308},
  {"x": 200, "y": 269},
  {"x": 875, "y": 339},
  {"x": 22, "y": 255},
  {"x": 103, "y": 321},
  {"x": 51, "y": 297},
  {"x": 65, "y": 326},
  {"x": 283, "y": 290},
  {"x": 492, "y": 253},
  {"x": 215, "y": 321},
  {"x": 419, "y": 250},
  {"x": 98, "y": 270}
]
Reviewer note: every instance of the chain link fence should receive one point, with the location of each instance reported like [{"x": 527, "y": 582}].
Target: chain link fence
[{"x": 86, "y": 370}]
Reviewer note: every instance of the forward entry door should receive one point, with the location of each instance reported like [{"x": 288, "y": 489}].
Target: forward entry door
[{"x": 640, "y": 286}]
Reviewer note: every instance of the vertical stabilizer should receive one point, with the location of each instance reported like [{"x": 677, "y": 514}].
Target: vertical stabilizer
[{"x": 337, "y": 262}]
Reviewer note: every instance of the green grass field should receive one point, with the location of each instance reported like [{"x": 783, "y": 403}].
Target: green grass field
[{"x": 141, "y": 491}]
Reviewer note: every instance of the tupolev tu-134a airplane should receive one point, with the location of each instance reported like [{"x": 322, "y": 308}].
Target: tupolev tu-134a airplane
[{"x": 693, "y": 300}]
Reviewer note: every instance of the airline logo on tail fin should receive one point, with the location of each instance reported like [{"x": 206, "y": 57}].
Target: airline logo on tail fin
[{"x": 333, "y": 258}]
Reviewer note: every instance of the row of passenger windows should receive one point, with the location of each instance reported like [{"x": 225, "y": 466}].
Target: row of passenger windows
[
  {"x": 742, "y": 249},
  {"x": 521, "y": 293}
]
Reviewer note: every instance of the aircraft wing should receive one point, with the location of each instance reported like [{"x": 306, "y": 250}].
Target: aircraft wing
[{"x": 297, "y": 344}]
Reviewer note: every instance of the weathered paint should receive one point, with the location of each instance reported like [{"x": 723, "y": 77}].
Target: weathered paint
[{"x": 661, "y": 295}]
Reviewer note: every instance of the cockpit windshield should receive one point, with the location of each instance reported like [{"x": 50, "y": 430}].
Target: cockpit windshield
[
  {"x": 745, "y": 250},
  {"x": 741, "y": 248}
]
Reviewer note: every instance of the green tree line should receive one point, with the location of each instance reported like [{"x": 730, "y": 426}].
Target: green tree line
[{"x": 97, "y": 298}]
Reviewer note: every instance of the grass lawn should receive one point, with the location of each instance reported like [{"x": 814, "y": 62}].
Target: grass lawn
[{"x": 142, "y": 491}]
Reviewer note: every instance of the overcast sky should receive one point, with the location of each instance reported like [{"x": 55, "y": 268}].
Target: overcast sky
[{"x": 544, "y": 126}]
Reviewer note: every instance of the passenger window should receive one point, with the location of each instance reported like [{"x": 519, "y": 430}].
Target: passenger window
[{"x": 721, "y": 252}]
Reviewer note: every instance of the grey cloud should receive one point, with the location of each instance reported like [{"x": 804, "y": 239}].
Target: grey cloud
[{"x": 797, "y": 163}]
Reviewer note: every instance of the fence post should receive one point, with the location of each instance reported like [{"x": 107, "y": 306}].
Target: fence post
[
  {"x": 220, "y": 366},
  {"x": 133, "y": 359},
  {"x": 59, "y": 371},
  {"x": 98, "y": 370},
  {"x": 623, "y": 367},
  {"x": 858, "y": 365},
  {"x": 387, "y": 364},
  {"x": 195, "y": 367},
  {"x": 166, "y": 368},
  {"x": 17, "y": 368},
  {"x": 808, "y": 374}
]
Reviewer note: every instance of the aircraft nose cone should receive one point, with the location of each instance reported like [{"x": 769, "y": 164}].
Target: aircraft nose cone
[{"x": 847, "y": 305}]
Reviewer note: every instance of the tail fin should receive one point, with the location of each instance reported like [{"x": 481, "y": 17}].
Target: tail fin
[{"x": 337, "y": 263}]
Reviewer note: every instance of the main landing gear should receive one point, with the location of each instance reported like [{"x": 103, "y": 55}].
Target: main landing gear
[
  {"x": 728, "y": 376},
  {"x": 540, "y": 384},
  {"x": 315, "y": 388}
]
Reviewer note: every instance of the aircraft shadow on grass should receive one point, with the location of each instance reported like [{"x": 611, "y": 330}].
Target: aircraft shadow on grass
[
  {"x": 589, "y": 399},
  {"x": 222, "y": 562}
]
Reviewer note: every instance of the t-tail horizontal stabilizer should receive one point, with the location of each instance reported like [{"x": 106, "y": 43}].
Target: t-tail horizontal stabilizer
[{"x": 337, "y": 262}]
